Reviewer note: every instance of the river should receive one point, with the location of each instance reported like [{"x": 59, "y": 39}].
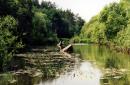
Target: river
[{"x": 97, "y": 65}]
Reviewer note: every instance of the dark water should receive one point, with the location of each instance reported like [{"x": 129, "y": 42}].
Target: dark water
[{"x": 98, "y": 65}]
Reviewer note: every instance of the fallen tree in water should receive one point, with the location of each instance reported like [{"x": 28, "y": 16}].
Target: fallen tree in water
[
  {"x": 62, "y": 47},
  {"x": 47, "y": 62}
]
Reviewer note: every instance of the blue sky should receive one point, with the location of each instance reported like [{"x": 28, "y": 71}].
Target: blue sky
[{"x": 84, "y": 8}]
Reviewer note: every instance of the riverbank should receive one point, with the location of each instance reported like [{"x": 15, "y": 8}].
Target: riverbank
[
  {"x": 45, "y": 62},
  {"x": 118, "y": 48},
  {"x": 114, "y": 66},
  {"x": 111, "y": 45}
]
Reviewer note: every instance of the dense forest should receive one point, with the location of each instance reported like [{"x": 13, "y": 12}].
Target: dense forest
[
  {"x": 25, "y": 23},
  {"x": 111, "y": 26}
]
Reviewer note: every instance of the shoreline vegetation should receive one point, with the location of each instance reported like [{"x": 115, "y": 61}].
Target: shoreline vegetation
[
  {"x": 26, "y": 23},
  {"x": 43, "y": 62},
  {"x": 29, "y": 31},
  {"x": 111, "y": 27}
]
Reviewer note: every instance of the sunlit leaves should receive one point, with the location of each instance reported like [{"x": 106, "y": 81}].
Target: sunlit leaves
[{"x": 115, "y": 18}]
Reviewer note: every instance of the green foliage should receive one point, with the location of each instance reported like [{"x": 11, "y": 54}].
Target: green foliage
[
  {"x": 31, "y": 23},
  {"x": 8, "y": 44},
  {"x": 123, "y": 37},
  {"x": 94, "y": 31},
  {"x": 75, "y": 39},
  {"x": 41, "y": 31},
  {"x": 115, "y": 18},
  {"x": 111, "y": 62},
  {"x": 50, "y": 23},
  {"x": 5, "y": 78},
  {"x": 111, "y": 26},
  {"x": 41, "y": 22}
]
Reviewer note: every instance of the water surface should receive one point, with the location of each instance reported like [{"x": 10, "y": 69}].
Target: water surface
[
  {"x": 97, "y": 65},
  {"x": 95, "y": 62}
]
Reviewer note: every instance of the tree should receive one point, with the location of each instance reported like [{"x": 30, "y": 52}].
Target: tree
[
  {"x": 8, "y": 42},
  {"x": 40, "y": 29},
  {"x": 115, "y": 18}
]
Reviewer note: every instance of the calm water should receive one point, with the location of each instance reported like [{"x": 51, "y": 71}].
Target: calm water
[
  {"x": 84, "y": 74},
  {"x": 97, "y": 65}
]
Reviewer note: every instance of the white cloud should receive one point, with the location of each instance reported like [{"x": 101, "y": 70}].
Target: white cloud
[{"x": 85, "y": 8}]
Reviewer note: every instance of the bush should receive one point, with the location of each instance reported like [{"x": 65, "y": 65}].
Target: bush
[{"x": 8, "y": 42}]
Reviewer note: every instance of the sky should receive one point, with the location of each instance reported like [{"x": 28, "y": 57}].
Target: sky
[{"x": 84, "y": 8}]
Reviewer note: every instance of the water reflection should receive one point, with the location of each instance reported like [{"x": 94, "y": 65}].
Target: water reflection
[
  {"x": 112, "y": 62},
  {"x": 84, "y": 74},
  {"x": 98, "y": 66},
  {"x": 114, "y": 66}
]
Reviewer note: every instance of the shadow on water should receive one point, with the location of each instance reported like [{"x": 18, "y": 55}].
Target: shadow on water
[
  {"x": 114, "y": 66},
  {"x": 112, "y": 62},
  {"x": 97, "y": 65}
]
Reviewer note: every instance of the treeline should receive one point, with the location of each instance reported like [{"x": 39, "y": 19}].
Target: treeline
[
  {"x": 111, "y": 26},
  {"x": 25, "y": 23}
]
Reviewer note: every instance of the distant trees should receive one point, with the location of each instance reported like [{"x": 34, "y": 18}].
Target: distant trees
[
  {"x": 57, "y": 23},
  {"x": 44, "y": 19},
  {"x": 41, "y": 31},
  {"x": 64, "y": 23}
]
